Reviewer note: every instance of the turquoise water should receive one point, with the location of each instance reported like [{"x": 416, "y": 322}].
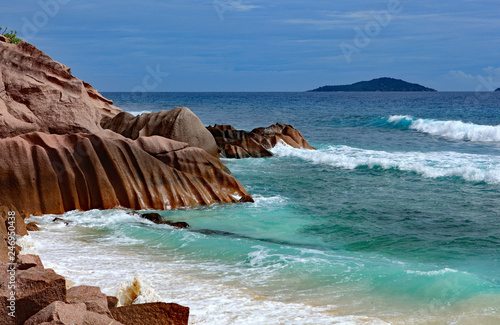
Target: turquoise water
[{"x": 394, "y": 219}]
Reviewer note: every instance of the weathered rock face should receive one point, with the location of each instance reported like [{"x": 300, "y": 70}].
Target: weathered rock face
[
  {"x": 179, "y": 124},
  {"x": 60, "y": 313},
  {"x": 60, "y": 173},
  {"x": 40, "y": 94},
  {"x": 93, "y": 298},
  {"x": 36, "y": 288},
  {"x": 234, "y": 143},
  {"x": 158, "y": 313}
]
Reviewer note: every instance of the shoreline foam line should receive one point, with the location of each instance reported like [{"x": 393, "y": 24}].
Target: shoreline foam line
[{"x": 211, "y": 301}]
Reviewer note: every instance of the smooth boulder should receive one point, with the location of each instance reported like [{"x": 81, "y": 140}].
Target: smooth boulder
[{"x": 179, "y": 124}]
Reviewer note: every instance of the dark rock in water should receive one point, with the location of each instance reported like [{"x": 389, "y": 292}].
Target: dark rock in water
[
  {"x": 153, "y": 217},
  {"x": 179, "y": 224},
  {"x": 221, "y": 233},
  {"x": 257, "y": 143},
  {"x": 179, "y": 124},
  {"x": 246, "y": 199},
  {"x": 57, "y": 219},
  {"x": 158, "y": 219},
  {"x": 158, "y": 313}
]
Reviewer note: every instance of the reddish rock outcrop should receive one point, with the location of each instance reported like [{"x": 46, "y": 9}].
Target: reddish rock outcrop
[
  {"x": 179, "y": 124},
  {"x": 35, "y": 289},
  {"x": 25, "y": 262},
  {"x": 93, "y": 298},
  {"x": 41, "y": 298},
  {"x": 158, "y": 313},
  {"x": 60, "y": 313},
  {"x": 257, "y": 143},
  {"x": 60, "y": 173},
  {"x": 40, "y": 94}
]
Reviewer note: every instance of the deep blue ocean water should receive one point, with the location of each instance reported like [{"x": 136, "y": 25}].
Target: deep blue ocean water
[{"x": 394, "y": 219}]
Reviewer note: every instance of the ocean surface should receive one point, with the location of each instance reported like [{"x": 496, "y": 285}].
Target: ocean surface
[{"x": 393, "y": 220}]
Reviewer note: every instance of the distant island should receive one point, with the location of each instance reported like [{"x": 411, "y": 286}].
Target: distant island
[{"x": 380, "y": 84}]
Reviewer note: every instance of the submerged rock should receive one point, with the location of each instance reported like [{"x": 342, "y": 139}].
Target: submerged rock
[
  {"x": 32, "y": 226},
  {"x": 158, "y": 219},
  {"x": 60, "y": 173},
  {"x": 179, "y": 124},
  {"x": 40, "y": 94},
  {"x": 257, "y": 143}
]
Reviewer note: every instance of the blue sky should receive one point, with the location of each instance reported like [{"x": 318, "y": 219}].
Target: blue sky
[{"x": 253, "y": 45}]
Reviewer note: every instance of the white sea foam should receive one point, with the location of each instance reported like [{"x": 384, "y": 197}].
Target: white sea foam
[
  {"x": 136, "y": 291},
  {"x": 456, "y": 130},
  {"x": 432, "y": 273},
  {"x": 28, "y": 245},
  {"x": 211, "y": 300},
  {"x": 470, "y": 167},
  {"x": 275, "y": 200}
]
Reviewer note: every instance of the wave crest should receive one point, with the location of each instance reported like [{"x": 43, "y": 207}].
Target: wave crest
[
  {"x": 470, "y": 167},
  {"x": 456, "y": 130}
]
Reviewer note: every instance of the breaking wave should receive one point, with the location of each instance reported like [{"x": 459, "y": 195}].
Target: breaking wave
[
  {"x": 470, "y": 167},
  {"x": 455, "y": 130}
]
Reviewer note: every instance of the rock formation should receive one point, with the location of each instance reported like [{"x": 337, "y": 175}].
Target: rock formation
[
  {"x": 60, "y": 173},
  {"x": 234, "y": 143},
  {"x": 40, "y": 94},
  {"x": 42, "y": 298},
  {"x": 56, "y": 157},
  {"x": 158, "y": 313},
  {"x": 179, "y": 124}
]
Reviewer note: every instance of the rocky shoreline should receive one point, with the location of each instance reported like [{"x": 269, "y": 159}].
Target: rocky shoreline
[{"x": 65, "y": 147}]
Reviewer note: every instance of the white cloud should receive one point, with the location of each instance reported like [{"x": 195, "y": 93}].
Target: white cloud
[{"x": 489, "y": 80}]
